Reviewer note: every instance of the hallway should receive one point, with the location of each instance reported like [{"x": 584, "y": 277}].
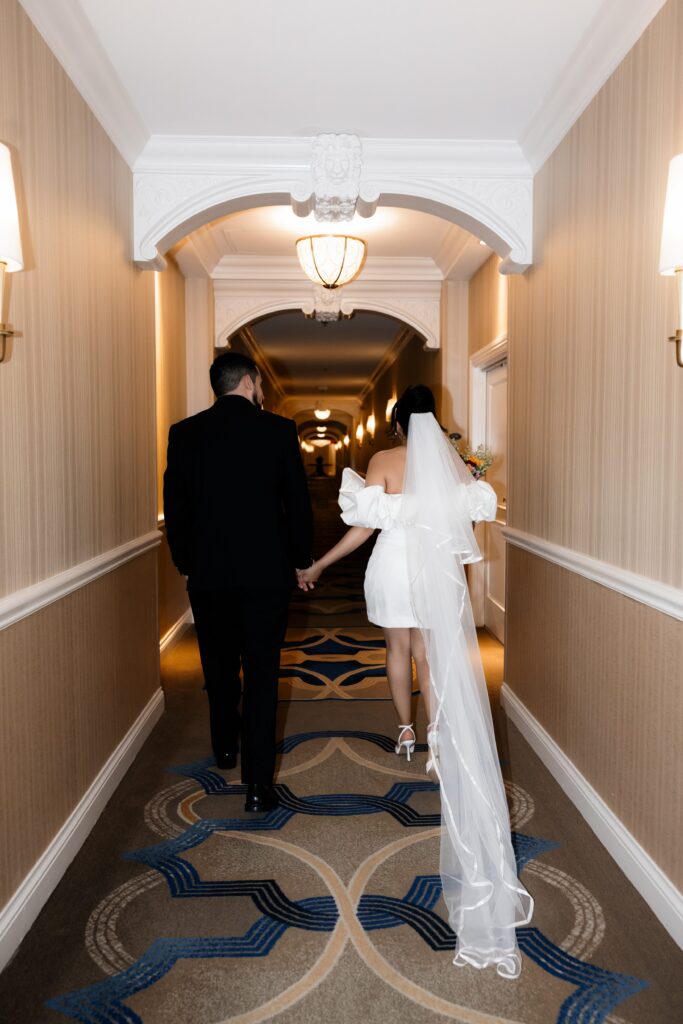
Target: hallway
[{"x": 181, "y": 908}]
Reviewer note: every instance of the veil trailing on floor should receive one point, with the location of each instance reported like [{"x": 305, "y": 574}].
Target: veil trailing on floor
[{"x": 483, "y": 895}]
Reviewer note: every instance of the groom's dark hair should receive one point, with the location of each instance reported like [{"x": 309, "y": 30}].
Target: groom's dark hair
[{"x": 227, "y": 371}]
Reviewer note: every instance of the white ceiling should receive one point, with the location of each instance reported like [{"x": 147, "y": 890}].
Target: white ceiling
[
  {"x": 444, "y": 69},
  {"x": 520, "y": 71}
]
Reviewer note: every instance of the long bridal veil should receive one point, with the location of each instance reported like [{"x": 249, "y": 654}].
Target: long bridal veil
[{"x": 483, "y": 895}]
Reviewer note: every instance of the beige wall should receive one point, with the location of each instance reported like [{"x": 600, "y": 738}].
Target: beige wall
[
  {"x": 171, "y": 406},
  {"x": 596, "y": 462},
  {"x": 415, "y": 365},
  {"x": 602, "y": 673},
  {"x": 77, "y": 454},
  {"x": 75, "y": 676}
]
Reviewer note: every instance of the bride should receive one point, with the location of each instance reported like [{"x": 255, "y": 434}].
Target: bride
[{"x": 424, "y": 500}]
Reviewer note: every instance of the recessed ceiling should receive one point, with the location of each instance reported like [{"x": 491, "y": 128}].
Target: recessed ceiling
[
  {"x": 271, "y": 232},
  {"x": 305, "y": 355},
  {"x": 388, "y": 69}
]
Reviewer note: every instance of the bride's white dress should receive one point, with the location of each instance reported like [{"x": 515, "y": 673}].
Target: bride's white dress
[
  {"x": 387, "y": 583},
  {"x": 416, "y": 578}
]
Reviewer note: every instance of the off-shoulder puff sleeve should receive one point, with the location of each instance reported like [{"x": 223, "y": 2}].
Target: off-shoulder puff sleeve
[
  {"x": 367, "y": 506},
  {"x": 482, "y": 500}
]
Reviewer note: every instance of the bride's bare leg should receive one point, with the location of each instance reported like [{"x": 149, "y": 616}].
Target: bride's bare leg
[
  {"x": 399, "y": 671},
  {"x": 417, "y": 649}
]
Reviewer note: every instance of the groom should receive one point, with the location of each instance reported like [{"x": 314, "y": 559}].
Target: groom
[{"x": 238, "y": 521}]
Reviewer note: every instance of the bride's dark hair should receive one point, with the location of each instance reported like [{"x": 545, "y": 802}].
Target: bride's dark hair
[{"x": 415, "y": 398}]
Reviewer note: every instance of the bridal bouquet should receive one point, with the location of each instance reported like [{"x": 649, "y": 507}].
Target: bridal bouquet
[{"x": 477, "y": 460}]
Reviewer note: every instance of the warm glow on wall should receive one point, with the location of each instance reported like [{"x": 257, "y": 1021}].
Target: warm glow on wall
[
  {"x": 371, "y": 425},
  {"x": 338, "y": 446},
  {"x": 390, "y": 408},
  {"x": 347, "y": 440},
  {"x": 359, "y": 433},
  {"x": 671, "y": 255}
]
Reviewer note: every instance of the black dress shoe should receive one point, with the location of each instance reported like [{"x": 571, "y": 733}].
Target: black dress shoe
[
  {"x": 260, "y": 798},
  {"x": 226, "y": 760}
]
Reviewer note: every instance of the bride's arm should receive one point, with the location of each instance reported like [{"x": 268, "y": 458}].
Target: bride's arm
[{"x": 351, "y": 540}]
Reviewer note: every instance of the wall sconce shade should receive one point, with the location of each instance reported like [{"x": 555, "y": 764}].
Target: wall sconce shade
[
  {"x": 331, "y": 260},
  {"x": 10, "y": 237},
  {"x": 671, "y": 253},
  {"x": 371, "y": 425},
  {"x": 347, "y": 440},
  {"x": 11, "y": 256},
  {"x": 359, "y": 433}
]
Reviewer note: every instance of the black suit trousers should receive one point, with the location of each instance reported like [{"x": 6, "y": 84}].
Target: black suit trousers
[{"x": 242, "y": 628}]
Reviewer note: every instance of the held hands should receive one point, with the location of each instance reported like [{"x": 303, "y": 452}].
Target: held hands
[{"x": 307, "y": 578}]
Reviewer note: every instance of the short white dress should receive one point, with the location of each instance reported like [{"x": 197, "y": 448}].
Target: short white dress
[{"x": 387, "y": 585}]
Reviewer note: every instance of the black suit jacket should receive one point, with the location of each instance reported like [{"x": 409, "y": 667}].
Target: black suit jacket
[{"x": 236, "y": 500}]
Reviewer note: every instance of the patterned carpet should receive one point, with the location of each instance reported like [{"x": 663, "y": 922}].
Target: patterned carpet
[{"x": 181, "y": 908}]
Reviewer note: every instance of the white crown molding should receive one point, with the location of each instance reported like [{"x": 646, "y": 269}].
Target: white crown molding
[
  {"x": 660, "y": 596},
  {"x": 23, "y": 908},
  {"x": 23, "y": 603},
  {"x": 658, "y": 891},
  {"x": 415, "y": 302},
  {"x": 288, "y": 268},
  {"x": 615, "y": 29},
  {"x": 66, "y": 30},
  {"x": 181, "y": 184}
]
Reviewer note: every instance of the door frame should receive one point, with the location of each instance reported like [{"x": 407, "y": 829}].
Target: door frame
[{"x": 481, "y": 361}]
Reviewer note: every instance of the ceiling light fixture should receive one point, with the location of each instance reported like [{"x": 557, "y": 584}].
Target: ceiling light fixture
[
  {"x": 322, "y": 414},
  {"x": 331, "y": 260}
]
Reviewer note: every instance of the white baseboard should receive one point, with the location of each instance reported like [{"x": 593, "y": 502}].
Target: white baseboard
[
  {"x": 174, "y": 632},
  {"x": 23, "y": 908},
  {"x": 658, "y": 891}
]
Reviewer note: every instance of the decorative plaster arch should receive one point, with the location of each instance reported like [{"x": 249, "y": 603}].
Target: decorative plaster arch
[
  {"x": 416, "y": 303},
  {"x": 181, "y": 184}
]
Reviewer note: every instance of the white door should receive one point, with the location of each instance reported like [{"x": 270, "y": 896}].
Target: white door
[{"x": 496, "y": 440}]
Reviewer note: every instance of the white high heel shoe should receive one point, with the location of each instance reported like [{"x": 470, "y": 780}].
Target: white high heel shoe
[
  {"x": 407, "y": 744},
  {"x": 433, "y": 745}
]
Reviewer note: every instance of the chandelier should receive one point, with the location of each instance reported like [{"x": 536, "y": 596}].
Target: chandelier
[{"x": 331, "y": 260}]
